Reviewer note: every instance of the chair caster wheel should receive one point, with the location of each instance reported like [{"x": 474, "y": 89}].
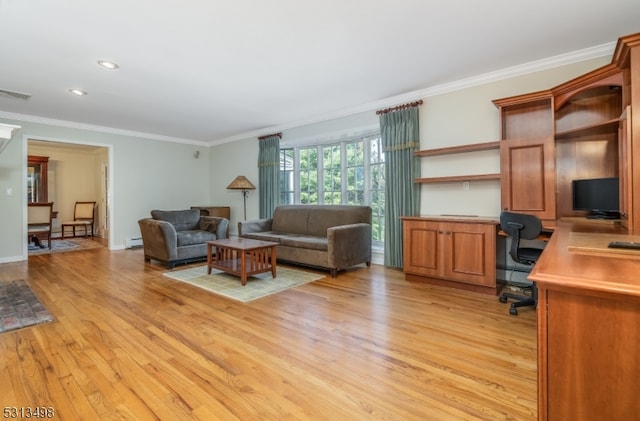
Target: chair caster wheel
[
  {"x": 503, "y": 299},
  {"x": 513, "y": 311}
]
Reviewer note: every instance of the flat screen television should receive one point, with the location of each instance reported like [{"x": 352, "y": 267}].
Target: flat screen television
[{"x": 598, "y": 196}]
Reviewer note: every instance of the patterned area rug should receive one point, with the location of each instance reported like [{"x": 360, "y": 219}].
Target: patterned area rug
[
  {"x": 257, "y": 286},
  {"x": 19, "y": 307},
  {"x": 59, "y": 245}
]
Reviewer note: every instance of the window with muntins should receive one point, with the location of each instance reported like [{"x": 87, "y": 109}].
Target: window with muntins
[{"x": 349, "y": 172}]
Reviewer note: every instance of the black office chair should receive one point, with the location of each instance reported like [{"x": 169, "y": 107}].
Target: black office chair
[{"x": 526, "y": 227}]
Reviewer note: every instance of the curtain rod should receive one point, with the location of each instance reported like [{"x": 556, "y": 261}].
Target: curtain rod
[
  {"x": 400, "y": 107},
  {"x": 269, "y": 135}
]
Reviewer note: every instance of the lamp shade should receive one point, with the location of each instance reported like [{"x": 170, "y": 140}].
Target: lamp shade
[{"x": 241, "y": 183}]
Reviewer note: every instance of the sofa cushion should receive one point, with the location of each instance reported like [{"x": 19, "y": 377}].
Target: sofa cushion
[
  {"x": 188, "y": 219},
  {"x": 323, "y": 217},
  {"x": 291, "y": 240},
  {"x": 305, "y": 242},
  {"x": 291, "y": 219},
  {"x": 191, "y": 237},
  {"x": 265, "y": 236},
  {"x": 316, "y": 219}
]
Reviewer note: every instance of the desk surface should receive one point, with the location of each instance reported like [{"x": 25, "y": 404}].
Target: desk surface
[
  {"x": 608, "y": 272},
  {"x": 597, "y": 244}
]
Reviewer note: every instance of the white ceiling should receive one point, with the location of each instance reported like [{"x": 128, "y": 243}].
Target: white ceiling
[{"x": 208, "y": 71}]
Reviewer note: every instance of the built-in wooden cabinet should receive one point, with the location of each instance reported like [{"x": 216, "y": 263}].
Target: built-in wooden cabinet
[
  {"x": 625, "y": 169},
  {"x": 590, "y": 345},
  {"x": 588, "y": 315},
  {"x": 528, "y": 180},
  {"x": 527, "y": 154},
  {"x": 553, "y": 137},
  {"x": 588, "y": 304},
  {"x": 452, "y": 251}
]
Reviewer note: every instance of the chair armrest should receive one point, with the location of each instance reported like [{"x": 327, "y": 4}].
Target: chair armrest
[
  {"x": 256, "y": 225},
  {"x": 349, "y": 244},
  {"x": 159, "y": 239},
  {"x": 217, "y": 225}
]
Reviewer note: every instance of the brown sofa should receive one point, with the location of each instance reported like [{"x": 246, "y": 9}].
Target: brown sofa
[
  {"x": 179, "y": 236},
  {"x": 329, "y": 236}
]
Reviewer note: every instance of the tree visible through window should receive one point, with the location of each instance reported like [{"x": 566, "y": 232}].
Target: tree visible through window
[{"x": 349, "y": 173}]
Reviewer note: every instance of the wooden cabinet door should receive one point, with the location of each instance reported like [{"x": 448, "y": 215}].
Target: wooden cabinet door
[
  {"x": 456, "y": 251},
  {"x": 528, "y": 180},
  {"x": 470, "y": 253},
  {"x": 588, "y": 359},
  {"x": 422, "y": 252}
]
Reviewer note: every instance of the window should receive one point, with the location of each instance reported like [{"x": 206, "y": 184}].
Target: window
[{"x": 349, "y": 173}]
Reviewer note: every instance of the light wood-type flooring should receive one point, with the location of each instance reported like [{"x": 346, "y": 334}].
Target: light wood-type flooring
[{"x": 131, "y": 344}]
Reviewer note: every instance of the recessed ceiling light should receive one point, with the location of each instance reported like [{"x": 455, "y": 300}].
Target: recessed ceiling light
[
  {"x": 78, "y": 92},
  {"x": 108, "y": 64}
]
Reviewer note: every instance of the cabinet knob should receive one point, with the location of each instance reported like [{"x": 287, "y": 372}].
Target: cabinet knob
[
  {"x": 439, "y": 231},
  {"x": 448, "y": 232}
]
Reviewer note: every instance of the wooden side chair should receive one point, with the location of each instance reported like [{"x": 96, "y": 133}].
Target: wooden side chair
[
  {"x": 83, "y": 216},
  {"x": 39, "y": 222}
]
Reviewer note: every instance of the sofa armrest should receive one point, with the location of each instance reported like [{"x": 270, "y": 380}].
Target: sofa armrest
[
  {"x": 349, "y": 245},
  {"x": 218, "y": 226},
  {"x": 256, "y": 225},
  {"x": 159, "y": 239}
]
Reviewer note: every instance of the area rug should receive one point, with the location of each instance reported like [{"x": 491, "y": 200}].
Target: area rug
[
  {"x": 19, "y": 307},
  {"x": 59, "y": 245},
  {"x": 257, "y": 286}
]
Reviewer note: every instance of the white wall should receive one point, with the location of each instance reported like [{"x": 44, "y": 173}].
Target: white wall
[
  {"x": 227, "y": 162},
  {"x": 456, "y": 118},
  {"x": 150, "y": 174},
  {"x": 12, "y": 196},
  {"x": 146, "y": 174}
]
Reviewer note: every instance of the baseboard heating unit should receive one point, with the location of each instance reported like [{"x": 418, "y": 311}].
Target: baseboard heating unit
[{"x": 133, "y": 243}]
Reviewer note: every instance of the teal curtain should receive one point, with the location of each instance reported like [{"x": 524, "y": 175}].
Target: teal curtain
[
  {"x": 269, "y": 174},
  {"x": 400, "y": 139}
]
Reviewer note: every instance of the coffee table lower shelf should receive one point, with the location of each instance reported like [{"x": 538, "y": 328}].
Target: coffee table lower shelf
[{"x": 241, "y": 257}]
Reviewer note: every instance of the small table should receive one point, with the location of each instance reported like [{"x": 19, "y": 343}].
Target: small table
[{"x": 241, "y": 257}]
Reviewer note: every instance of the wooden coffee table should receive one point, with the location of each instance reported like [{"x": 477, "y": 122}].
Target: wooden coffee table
[{"x": 241, "y": 257}]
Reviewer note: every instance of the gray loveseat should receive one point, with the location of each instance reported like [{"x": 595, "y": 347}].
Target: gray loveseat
[
  {"x": 179, "y": 236},
  {"x": 329, "y": 236}
]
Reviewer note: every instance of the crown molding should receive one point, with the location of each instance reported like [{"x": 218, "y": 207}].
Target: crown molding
[
  {"x": 531, "y": 67},
  {"x": 507, "y": 73},
  {"x": 96, "y": 128}
]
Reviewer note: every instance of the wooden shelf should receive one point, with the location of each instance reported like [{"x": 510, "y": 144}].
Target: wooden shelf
[
  {"x": 598, "y": 128},
  {"x": 474, "y": 147},
  {"x": 457, "y": 178},
  {"x": 459, "y": 149}
]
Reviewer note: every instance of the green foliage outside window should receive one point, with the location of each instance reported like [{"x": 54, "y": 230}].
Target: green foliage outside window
[{"x": 350, "y": 173}]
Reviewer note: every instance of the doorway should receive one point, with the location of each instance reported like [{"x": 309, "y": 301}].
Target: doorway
[{"x": 76, "y": 171}]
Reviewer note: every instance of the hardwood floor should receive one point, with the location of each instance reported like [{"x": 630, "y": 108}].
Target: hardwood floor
[{"x": 129, "y": 343}]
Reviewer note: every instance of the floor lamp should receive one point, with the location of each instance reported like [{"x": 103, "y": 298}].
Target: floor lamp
[{"x": 242, "y": 183}]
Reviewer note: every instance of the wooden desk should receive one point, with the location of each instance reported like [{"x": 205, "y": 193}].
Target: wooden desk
[{"x": 588, "y": 330}]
